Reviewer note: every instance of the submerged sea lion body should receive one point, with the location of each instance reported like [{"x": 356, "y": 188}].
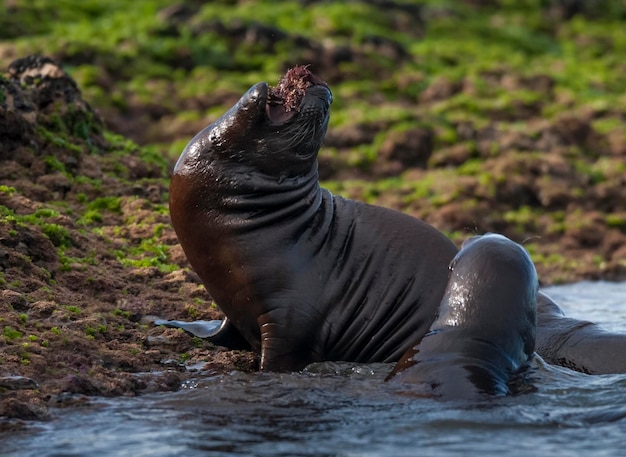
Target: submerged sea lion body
[
  {"x": 579, "y": 345},
  {"x": 485, "y": 332}
]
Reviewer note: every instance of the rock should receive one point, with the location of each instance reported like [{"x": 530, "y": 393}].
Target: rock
[
  {"x": 17, "y": 383},
  {"x": 79, "y": 385},
  {"x": 406, "y": 149},
  {"x": 15, "y": 299},
  {"x": 440, "y": 89},
  {"x": 17, "y": 409}
]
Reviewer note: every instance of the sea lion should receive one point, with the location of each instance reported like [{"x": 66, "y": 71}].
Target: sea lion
[
  {"x": 576, "y": 344},
  {"x": 302, "y": 274},
  {"x": 485, "y": 331}
]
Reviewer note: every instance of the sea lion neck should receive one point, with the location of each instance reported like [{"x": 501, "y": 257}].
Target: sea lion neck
[
  {"x": 249, "y": 185},
  {"x": 245, "y": 197},
  {"x": 257, "y": 200}
]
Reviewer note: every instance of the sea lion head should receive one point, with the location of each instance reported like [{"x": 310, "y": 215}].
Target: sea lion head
[
  {"x": 493, "y": 289},
  {"x": 273, "y": 131}
]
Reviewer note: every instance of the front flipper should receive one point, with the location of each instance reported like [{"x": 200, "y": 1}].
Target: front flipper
[
  {"x": 288, "y": 338},
  {"x": 219, "y": 332}
]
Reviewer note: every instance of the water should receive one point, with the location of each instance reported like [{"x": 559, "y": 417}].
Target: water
[{"x": 345, "y": 410}]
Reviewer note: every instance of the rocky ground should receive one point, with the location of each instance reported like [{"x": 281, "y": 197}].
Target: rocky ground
[{"x": 88, "y": 258}]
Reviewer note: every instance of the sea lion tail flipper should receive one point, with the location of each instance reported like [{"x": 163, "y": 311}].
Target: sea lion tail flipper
[{"x": 219, "y": 332}]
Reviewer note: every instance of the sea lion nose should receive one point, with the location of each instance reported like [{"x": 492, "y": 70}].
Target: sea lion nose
[
  {"x": 255, "y": 96},
  {"x": 247, "y": 111}
]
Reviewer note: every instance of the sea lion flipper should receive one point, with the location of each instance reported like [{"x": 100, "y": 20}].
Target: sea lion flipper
[
  {"x": 280, "y": 353},
  {"x": 219, "y": 332}
]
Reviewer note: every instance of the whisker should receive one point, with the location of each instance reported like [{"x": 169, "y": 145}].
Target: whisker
[
  {"x": 526, "y": 240},
  {"x": 296, "y": 134}
]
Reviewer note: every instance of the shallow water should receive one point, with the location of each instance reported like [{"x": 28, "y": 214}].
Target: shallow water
[{"x": 346, "y": 410}]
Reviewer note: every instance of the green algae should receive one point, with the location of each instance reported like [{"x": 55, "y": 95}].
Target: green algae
[{"x": 126, "y": 56}]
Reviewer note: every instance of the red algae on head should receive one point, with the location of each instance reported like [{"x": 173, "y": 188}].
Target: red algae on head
[{"x": 292, "y": 87}]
